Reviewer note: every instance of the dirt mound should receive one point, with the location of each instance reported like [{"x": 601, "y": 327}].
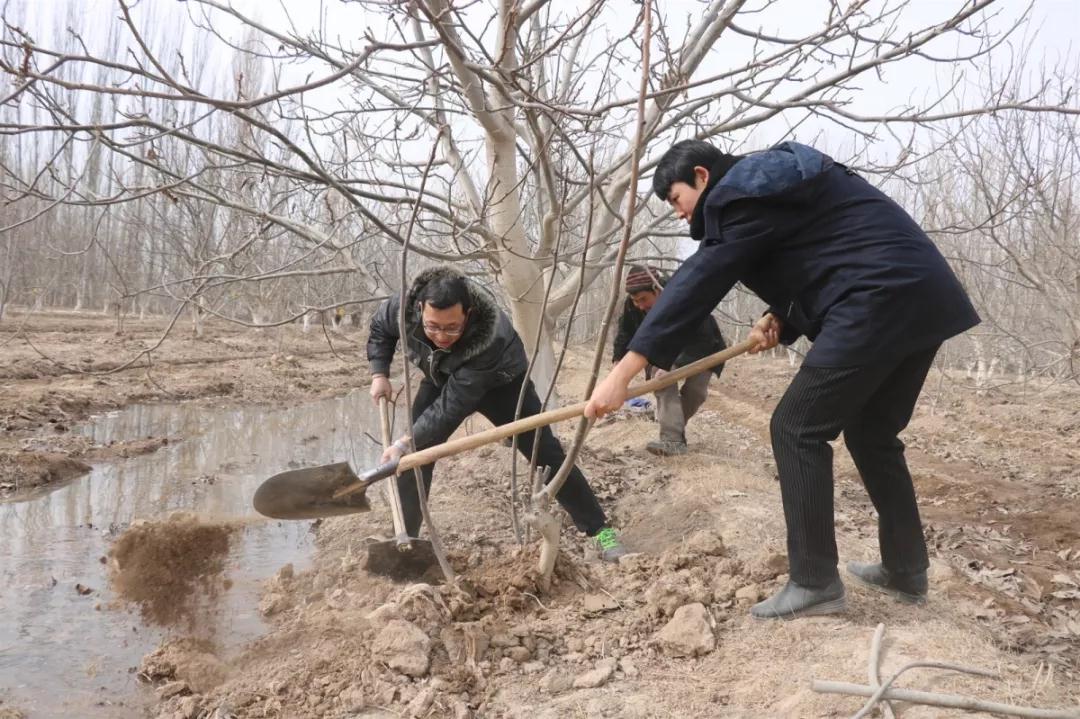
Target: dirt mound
[
  {"x": 188, "y": 660},
  {"x": 343, "y": 641},
  {"x": 172, "y": 570},
  {"x": 26, "y": 470}
]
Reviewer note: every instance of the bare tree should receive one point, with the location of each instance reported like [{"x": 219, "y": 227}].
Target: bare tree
[
  {"x": 1001, "y": 195},
  {"x": 268, "y": 176}
]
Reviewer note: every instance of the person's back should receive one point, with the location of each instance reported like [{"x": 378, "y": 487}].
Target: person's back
[
  {"x": 844, "y": 255},
  {"x": 835, "y": 258},
  {"x": 840, "y": 262}
]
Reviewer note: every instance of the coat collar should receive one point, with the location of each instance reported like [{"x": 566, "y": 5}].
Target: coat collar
[{"x": 716, "y": 173}]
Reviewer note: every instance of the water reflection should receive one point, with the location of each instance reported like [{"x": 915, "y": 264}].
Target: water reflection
[{"x": 51, "y": 636}]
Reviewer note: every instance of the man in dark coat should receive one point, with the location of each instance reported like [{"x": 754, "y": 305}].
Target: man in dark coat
[
  {"x": 675, "y": 405},
  {"x": 838, "y": 261},
  {"x": 473, "y": 361}
]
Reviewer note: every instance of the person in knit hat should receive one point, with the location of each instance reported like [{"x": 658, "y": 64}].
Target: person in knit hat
[{"x": 675, "y": 404}]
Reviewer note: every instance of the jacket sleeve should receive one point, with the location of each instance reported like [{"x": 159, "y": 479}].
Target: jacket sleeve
[
  {"x": 622, "y": 335},
  {"x": 788, "y": 333},
  {"x": 459, "y": 398},
  {"x": 383, "y": 336},
  {"x": 719, "y": 343},
  {"x": 729, "y": 247}
]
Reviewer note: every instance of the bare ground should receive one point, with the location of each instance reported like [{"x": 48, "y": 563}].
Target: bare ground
[{"x": 997, "y": 472}]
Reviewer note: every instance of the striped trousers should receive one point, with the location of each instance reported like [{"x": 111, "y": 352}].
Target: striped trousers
[{"x": 871, "y": 405}]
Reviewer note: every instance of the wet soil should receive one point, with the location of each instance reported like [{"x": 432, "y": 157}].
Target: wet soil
[
  {"x": 61, "y": 617},
  {"x": 57, "y": 369}
]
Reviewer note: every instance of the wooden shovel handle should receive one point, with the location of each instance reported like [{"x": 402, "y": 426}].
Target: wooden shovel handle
[
  {"x": 396, "y": 513},
  {"x": 464, "y": 444},
  {"x": 384, "y": 417}
]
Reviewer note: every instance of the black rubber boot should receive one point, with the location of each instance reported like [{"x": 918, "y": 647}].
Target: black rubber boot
[
  {"x": 794, "y": 601},
  {"x": 908, "y": 588}
]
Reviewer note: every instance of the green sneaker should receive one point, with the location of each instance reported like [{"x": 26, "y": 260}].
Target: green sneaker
[{"x": 607, "y": 541}]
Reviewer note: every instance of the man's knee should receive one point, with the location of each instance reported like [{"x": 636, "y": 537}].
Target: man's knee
[
  {"x": 793, "y": 426},
  {"x": 784, "y": 430},
  {"x": 865, "y": 438}
]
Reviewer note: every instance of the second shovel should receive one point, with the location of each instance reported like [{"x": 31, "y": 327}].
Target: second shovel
[{"x": 403, "y": 557}]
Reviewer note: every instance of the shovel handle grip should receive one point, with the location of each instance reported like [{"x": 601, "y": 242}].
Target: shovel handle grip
[{"x": 370, "y": 477}]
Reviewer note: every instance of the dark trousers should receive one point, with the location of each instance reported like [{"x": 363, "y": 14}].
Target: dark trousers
[
  {"x": 871, "y": 405},
  {"x": 498, "y": 405}
]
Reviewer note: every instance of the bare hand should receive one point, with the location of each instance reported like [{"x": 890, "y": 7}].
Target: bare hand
[
  {"x": 608, "y": 396},
  {"x": 657, "y": 372},
  {"x": 380, "y": 387},
  {"x": 765, "y": 333}
]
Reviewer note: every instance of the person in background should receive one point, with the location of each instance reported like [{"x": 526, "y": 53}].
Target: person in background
[{"x": 675, "y": 404}]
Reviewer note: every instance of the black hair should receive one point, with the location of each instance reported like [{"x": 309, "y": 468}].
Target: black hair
[
  {"x": 678, "y": 163},
  {"x": 446, "y": 291}
]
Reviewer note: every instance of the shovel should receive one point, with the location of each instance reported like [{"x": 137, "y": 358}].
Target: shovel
[
  {"x": 334, "y": 489},
  {"x": 403, "y": 557}
]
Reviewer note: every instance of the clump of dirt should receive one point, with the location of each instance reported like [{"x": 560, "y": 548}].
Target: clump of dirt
[
  {"x": 26, "y": 470},
  {"x": 130, "y": 448},
  {"x": 172, "y": 570},
  {"x": 188, "y": 660},
  {"x": 511, "y": 581}
]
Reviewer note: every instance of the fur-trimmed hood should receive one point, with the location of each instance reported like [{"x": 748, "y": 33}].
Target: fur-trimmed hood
[
  {"x": 489, "y": 355},
  {"x": 480, "y": 330}
]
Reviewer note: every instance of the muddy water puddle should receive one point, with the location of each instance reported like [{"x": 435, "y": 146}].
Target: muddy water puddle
[{"x": 65, "y": 652}]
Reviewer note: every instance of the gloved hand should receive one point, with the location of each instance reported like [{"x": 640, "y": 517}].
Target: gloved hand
[{"x": 395, "y": 451}]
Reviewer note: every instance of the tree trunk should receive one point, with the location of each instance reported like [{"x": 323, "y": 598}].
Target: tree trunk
[
  {"x": 519, "y": 276},
  {"x": 196, "y": 320}
]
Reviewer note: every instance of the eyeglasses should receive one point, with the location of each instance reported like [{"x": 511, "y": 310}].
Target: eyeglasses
[{"x": 453, "y": 331}]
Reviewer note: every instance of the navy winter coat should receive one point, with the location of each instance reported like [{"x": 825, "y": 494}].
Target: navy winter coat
[
  {"x": 834, "y": 257},
  {"x": 704, "y": 341}
]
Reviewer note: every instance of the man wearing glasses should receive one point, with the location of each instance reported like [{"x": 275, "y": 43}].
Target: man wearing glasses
[{"x": 473, "y": 361}]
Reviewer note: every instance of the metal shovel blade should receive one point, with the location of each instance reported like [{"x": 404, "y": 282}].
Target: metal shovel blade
[
  {"x": 402, "y": 562},
  {"x": 309, "y": 493}
]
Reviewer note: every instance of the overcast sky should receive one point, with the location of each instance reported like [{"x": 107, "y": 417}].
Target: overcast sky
[{"x": 1047, "y": 39}]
